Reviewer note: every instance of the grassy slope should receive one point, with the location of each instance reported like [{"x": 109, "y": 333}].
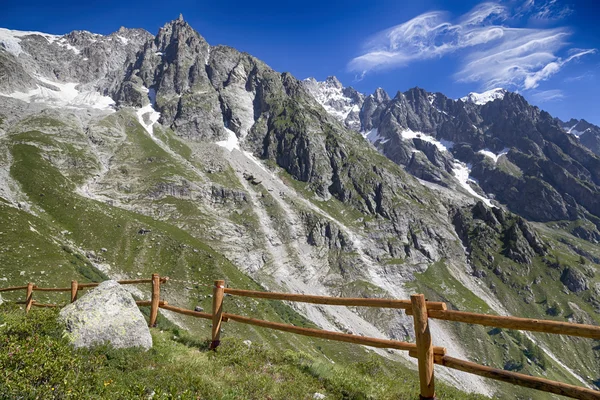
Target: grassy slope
[
  {"x": 69, "y": 225},
  {"x": 50, "y": 247},
  {"x": 37, "y": 363}
]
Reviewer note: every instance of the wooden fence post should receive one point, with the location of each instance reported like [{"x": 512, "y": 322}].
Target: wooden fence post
[
  {"x": 155, "y": 299},
  {"x": 29, "y": 297},
  {"x": 74, "y": 289},
  {"x": 217, "y": 313},
  {"x": 424, "y": 346}
]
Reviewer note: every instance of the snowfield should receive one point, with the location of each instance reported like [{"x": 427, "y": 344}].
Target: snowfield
[
  {"x": 56, "y": 94},
  {"x": 485, "y": 97}
]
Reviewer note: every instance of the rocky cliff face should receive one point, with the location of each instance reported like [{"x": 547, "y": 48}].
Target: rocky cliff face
[
  {"x": 514, "y": 151},
  {"x": 304, "y": 186}
]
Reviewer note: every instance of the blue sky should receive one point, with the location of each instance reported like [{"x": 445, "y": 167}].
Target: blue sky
[{"x": 548, "y": 50}]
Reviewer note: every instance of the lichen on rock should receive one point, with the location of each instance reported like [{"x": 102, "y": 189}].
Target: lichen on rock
[{"x": 107, "y": 314}]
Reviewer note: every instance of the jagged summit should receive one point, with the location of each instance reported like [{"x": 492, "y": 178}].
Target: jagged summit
[
  {"x": 380, "y": 94},
  {"x": 332, "y": 80},
  {"x": 344, "y": 103}
]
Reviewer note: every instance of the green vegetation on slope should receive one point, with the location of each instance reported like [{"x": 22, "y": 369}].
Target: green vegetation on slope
[
  {"x": 69, "y": 235},
  {"x": 37, "y": 362}
]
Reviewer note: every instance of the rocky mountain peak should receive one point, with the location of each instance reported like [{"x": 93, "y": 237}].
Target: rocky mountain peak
[
  {"x": 399, "y": 95},
  {"x": 180, "y": 35},
  {"x": 485, "y": 97},
  {"x": 418, "y": 95},
  {"x": 343, "y": 103},
  {"x": 416, "y": 92},
  {"x": 82, "y": 38},
  {"x": 333, "y": 81},
  {"x": 380, "y": 95}
]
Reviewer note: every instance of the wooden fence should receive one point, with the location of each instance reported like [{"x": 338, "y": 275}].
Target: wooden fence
[{"x": 421, "y": 310}]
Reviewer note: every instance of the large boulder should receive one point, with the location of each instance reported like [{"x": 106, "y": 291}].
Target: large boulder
[{"x": 107, "y": 314}]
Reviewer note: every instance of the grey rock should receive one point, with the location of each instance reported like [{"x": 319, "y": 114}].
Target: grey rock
[
  {"x": 174, "y": 66},
  {"x": 422, "y": 167},
  {"x": 373, "y": 106},
  {"x": 107, "y": 314},
  {"x": 13, "y": 77},
  {"x": 574, "y": 280}
]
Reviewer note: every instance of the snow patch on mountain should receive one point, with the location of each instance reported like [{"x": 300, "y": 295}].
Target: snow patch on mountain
[
  {"x": 461, "y": 172},
  {"x": 56, "y": 94},
  {"x": 442, "y": 144},
  {"x": 231, "y": 142},
  {"x": 240, "y": 101},
  {"x": 492, "y": 155},
  {"x": 485, "y": 97},
  {"x": 123, "y": 39},
  {"x": 332, "y": 95},
  {"x": 329, "y": 94},
  {"x": 373, "y": 136},
  {"x": 577, "y": 133},
  {"x": 10, "y": 39},
  {"x": 147, "y": 115}
]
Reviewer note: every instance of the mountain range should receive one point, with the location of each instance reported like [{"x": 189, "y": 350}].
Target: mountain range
[{"x": 134, "y": 153}]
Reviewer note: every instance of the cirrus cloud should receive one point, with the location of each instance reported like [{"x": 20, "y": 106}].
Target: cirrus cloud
[{"x": 494, "y": 54}]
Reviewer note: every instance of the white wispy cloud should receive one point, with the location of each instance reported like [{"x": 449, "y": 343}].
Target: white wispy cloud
[
  {"x": 494, "y": 54},
  {"x": 583, "y": 77},
  {"x": 545, "y": 96},
  {"x": 550, "y": 10}
]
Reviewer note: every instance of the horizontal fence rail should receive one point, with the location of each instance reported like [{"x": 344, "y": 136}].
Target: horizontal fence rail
[
  {"x": 197, "y": 314},
  {"x": 523, "y": 324},
  {"x": 515, "y": 378},
  {"x": 423, "y": 350},
  {"x": 340, "y": 337},
  {"x": 13, "y": 288},
  {"x": 334, "y": 301}
]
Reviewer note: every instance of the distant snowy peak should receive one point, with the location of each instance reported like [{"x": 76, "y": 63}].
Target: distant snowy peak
[
  {"x": 10, "y": 40},
  {"x": 342, "y": 103},
  {"x": 485, "y": 97},
  {"x": 71, "y": 70},
  {"x": 578, "y": 127},
  {"x": 13, "y": 41}
]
